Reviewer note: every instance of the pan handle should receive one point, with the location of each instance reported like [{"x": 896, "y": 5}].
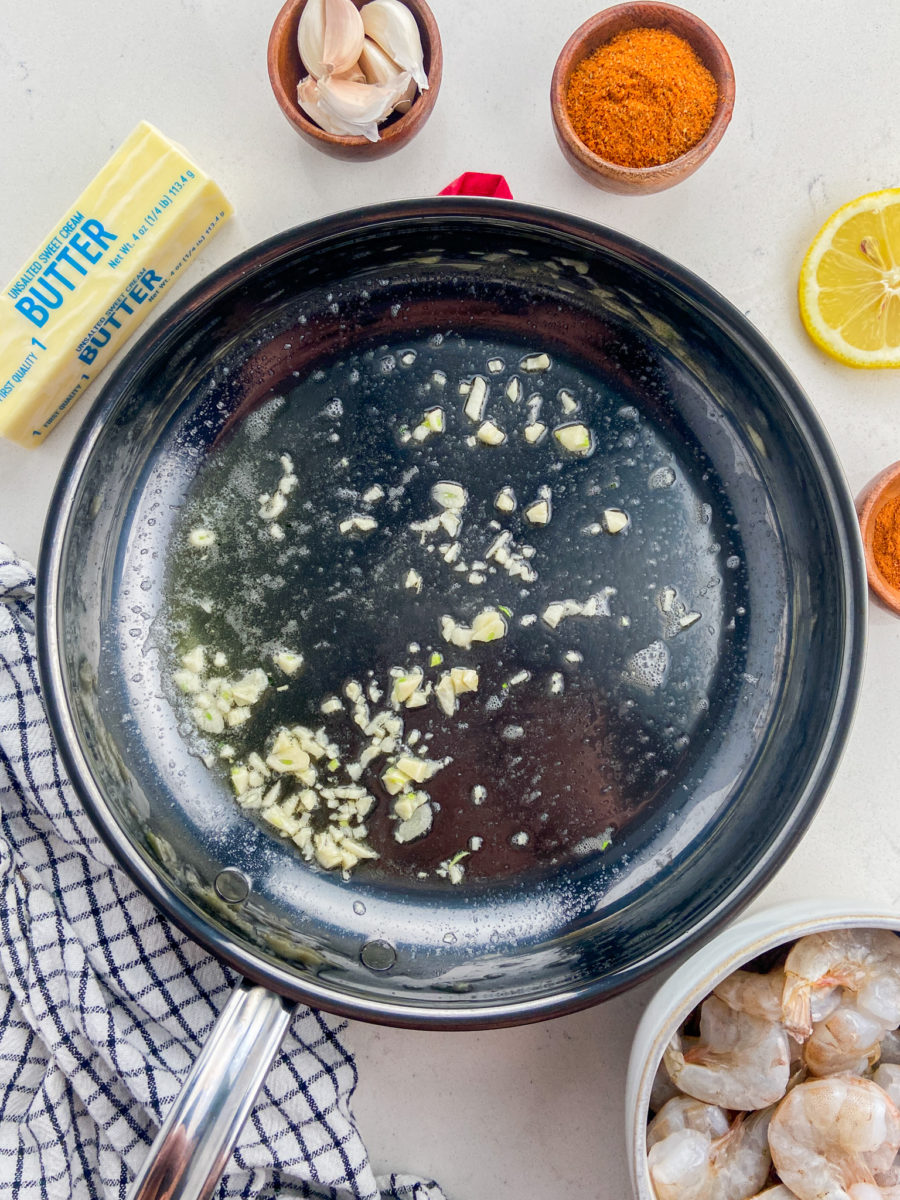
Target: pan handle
[{"x": 195, "y": 1140}]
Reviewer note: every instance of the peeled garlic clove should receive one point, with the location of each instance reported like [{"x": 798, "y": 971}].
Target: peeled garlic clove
[
  {"x": 330, "y": 37},
  {"x": 394, "y": 28}
]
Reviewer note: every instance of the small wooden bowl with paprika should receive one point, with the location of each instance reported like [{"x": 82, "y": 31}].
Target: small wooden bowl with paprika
[
  {"x": 878, "y": 508},
  {"x": 640, "y": 97}
]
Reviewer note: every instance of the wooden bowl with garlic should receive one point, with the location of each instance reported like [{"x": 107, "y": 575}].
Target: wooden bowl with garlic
[{"x": 356, "y": 80}]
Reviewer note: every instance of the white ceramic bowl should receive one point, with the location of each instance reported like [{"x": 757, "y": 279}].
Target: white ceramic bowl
[{"x": 695, "y": 979}]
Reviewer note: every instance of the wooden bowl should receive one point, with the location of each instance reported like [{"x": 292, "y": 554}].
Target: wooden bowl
[
  {"x": 598, "y": 30},
  {"x": 869, "y": 503},
  {"x": 286, "y": 70}
]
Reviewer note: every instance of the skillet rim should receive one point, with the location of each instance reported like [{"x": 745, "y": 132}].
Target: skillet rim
[{"x": 460, "y": 1013}]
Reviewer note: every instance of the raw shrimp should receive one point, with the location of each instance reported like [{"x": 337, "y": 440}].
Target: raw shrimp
[
  {"x": 749, "y": 992},
  {"x": 688, "y": 1165},
  {"x": 865, "y": 961},
  {"x": 848, "y": 1041},
  {"x": 828, "y": 1135},
  {"x": 684, "y": 1112},
  {"x": 888, "y": 1079},
  {"x": 779, "y": 1192},
  {"x": 739, "y": 1061},
  {"x": 761, "y": 995}
]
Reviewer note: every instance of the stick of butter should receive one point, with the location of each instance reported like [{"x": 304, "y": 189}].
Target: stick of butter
[{"x": 95, "y": 276}]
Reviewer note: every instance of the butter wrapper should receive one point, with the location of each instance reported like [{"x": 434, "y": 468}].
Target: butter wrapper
[{"x": 96, "y": 275}]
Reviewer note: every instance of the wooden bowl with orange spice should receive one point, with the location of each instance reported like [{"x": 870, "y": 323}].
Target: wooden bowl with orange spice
[
  {"x": 878, "y": 508},
  {"x": 640, "y": 97}
]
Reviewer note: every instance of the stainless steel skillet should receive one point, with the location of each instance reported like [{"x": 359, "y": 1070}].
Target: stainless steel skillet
[{"x": 550, "y": 931}]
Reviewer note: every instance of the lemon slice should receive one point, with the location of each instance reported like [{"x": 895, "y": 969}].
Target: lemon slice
[{"x": 850, "y": 282}]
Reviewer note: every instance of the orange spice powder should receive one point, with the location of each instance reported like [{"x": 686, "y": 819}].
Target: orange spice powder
[
  {"x": 886, "y": 542},
  {"x": 641, "y": 99}
]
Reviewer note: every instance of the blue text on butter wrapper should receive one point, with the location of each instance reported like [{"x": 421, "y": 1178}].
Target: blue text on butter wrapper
[{"x": 44, "y": 295}]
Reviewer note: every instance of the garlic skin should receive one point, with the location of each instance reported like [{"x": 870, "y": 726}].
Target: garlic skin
[
  {"x": 392, "y": 26},
  {"x": 330, "y": 37},
  {"x": 347, "y": 108}
]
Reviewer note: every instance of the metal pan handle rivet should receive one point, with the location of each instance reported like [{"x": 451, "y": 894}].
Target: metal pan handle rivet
[
  {"x": 232, "y": 886},
  {"x": 378, "y": 956}
]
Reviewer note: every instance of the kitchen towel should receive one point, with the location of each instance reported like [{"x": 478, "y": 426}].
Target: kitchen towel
[{"x": 104, "y": 1004}]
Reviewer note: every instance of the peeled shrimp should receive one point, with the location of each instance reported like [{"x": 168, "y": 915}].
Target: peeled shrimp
[
  {"x": 688, "y": 1165},
  {"x": 778, "y": 1192},
  {"x": 761, "y": 995},
  {"x": 849, "y": 1040},
  {"x": 865, "y": 961},
  {"x": 888, "y": 1079},
  {"x": 749, "y": 992},
  {"x": 684, "y": 1112},
  {"x": 739, "y": 1061},
  {"x": 830, "y": 1135}
]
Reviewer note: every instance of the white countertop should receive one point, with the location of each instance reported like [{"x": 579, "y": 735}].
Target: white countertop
[{"x": 532, "y": 1112}]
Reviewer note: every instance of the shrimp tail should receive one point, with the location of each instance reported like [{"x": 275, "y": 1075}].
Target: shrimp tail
[{"x": 795, "y": 1007}]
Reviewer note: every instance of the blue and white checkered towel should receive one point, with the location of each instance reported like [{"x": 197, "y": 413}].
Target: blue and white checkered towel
[{"x": 104, "y": 1004}]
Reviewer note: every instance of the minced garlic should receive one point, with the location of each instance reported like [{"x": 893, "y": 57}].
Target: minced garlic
[
  {"x": 614, "y": 520},
  {"x": 490, "y": 434},
  {"x": 535, "y": 362},
  {"x": 488, "y": 626},
  {"x": 476, "y": 401},
  {"x": 575, "y": 438},
  {"x": 505, "y": 500},
  {"x": 201, "y": 539}
]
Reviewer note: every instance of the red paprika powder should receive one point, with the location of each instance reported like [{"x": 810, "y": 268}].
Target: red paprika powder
[
  {"x": 886, "y": 542},
  {"x": 642, "y": 99}
]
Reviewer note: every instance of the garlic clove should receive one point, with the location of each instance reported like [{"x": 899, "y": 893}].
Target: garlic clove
[
  {"x": 361, "y": 103},
  {"x": 311, "y": 37},
  {"x": 355, "y": 75},
  {"x": 377, "y": 66},
  {"x": 404, "y": 104},
  {"x": 330, "y": 35},
  {"x": 344, "y": 35},
  {"x": 343, "y": 106},
  {"x": 394, "y": 28},
  {"x": 309, "y": 100}
]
